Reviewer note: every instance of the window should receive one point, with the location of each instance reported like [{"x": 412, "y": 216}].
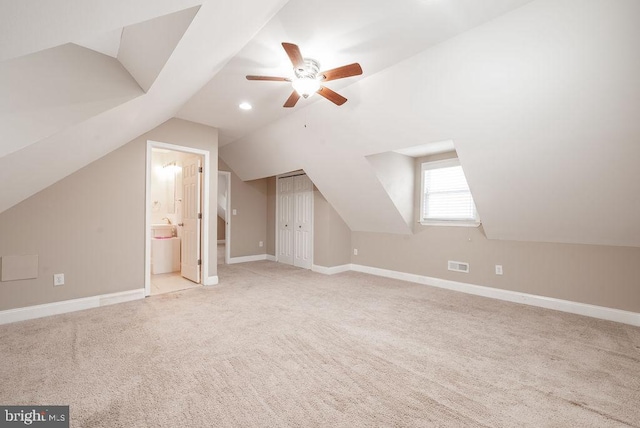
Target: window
[{"x": 446, "y": 198}]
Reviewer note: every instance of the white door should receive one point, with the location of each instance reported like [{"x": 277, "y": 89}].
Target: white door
[
  {"x": 285, "y": 220},
  {"x": 303, "y": 191},
  {"x": 190, "y": 263}
]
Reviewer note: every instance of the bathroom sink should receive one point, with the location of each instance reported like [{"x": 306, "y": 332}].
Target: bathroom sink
[{"x": 162, "y": 230}]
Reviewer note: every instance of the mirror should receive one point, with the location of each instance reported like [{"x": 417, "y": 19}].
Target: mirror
[{"x": 172, "y": 170}]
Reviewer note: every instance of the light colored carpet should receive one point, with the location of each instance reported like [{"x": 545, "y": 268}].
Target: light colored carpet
[{"x": 279, "y": 346}]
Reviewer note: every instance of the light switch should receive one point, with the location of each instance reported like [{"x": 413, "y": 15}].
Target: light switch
[{"x": 234, "y": 212}]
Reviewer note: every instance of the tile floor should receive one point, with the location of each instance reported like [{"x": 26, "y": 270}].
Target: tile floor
[{"x": 168, "y": 282}]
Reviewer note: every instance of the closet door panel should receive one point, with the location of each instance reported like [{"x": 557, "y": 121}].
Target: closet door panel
[
  {"x": 285, "y": 220},
  {"x": 303, "y": 211}
]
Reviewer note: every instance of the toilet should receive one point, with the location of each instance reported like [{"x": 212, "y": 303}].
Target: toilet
[{"x": 165, "y": 249}]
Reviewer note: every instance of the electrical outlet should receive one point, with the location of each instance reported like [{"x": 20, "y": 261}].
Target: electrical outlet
[
  {"x": 260, "y": 244},
  {"x": 58, "y": 279},
  {"x": 355, "y": 251},
  {"x": 498, "y": 269}
]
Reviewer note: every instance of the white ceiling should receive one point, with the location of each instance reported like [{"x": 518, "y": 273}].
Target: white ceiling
[
  {"x": 50, "y": 91},
  {"x": 427, "y": 149},
  {"x": 31, "y": 27},
  {"x": 542, "y": 105},
  {"x": 107, "y": 43},
  {"x": 374, "y": 33},
  {"x": 540, "y": 98}
]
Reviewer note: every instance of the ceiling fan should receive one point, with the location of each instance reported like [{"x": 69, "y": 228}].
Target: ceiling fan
[{"x": 308, "y": 77}]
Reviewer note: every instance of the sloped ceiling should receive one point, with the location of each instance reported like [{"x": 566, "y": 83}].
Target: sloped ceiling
[
  {"x": 107, "y": 43},
  {"x": 374, "y": 33},
  {"x": 53, "y": 124},
  {"x": 146, "y": 47},
  {"x": 542, "y": 105},
  {"x": 30, "y": 26},
  {"x": 49, "y": 91},
  {"x": 540, "y": 98}
]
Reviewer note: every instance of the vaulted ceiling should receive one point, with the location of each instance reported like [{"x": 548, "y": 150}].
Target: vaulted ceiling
[
  {"x": 540, "y": 98},
  {"x": 62, "y": 105}
]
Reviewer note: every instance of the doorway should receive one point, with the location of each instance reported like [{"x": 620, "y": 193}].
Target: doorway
[
  {"x": 294, "y": 212},
  {"x": 176, "y": 218},
  {"x": 224, "y": 217}
]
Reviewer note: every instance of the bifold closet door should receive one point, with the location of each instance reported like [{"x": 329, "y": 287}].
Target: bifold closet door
[
  {"x": 295, "y": 221},
  {"x": 285, "y": 220},
  {"x": 303, "y": 227}
]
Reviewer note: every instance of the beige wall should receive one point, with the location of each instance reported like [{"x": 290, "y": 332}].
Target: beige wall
[
  {"x": 593, "y": 274},
  {"x": 249, "y": 225},
  {"x": 598, "y": 275},
  {"x": 91, "y": 225},
  {"x": 331, "y": 235}
]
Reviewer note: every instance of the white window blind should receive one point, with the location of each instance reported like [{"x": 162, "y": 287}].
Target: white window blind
[{"x": 446, "y": 196}]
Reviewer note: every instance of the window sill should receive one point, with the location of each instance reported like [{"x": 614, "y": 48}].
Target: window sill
[{"x": 451, "y": 223}]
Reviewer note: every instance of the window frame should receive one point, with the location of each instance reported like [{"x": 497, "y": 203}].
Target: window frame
[{"x": 446, "y": 163}]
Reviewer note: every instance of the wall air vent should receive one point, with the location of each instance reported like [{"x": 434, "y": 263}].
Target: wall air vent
[{"x": 458, "y": 266}]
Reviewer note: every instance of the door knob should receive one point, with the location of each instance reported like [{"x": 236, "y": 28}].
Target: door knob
[
  {"x": 180, "y": 224},
  {"x": 300, "y": 226}
]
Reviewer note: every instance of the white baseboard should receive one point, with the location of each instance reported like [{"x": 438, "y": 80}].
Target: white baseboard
[
  {"x": 48, "y": 309},
  {"x": 331, "y": 270},
  {"x": 244, "y": 259},
  {"x": 271, "y": 258},
  {"x": 601, "y": 312},
  {"x": 221, "y": 241},
  {"x": 212, "y": 280}
]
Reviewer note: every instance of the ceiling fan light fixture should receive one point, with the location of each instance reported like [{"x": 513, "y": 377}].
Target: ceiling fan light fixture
[
  {"x": 308, "y": 79},
  {"x": 306, "y": 86}
]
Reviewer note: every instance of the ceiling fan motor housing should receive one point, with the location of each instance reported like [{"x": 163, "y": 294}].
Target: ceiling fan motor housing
[{"x": 310, "y": 70}]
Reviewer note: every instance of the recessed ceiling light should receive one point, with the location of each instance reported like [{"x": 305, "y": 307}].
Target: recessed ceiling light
[{"x": 245, "y": 106}]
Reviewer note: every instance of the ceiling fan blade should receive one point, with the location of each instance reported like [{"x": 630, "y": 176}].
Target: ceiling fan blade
[
  {"x": 293, "y": 51},
  {"x": 332, "y": 96},
  {"x": 292, "y": 100},
  {"x": 342, "y": 72},
  {"x": 273, "y": 79}
]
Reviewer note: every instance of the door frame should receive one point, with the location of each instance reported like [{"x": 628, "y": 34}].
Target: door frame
[
  {"x": 204, "y": 230},
  {"x": 293, "y": 174},
  {"x": 227, "y": 223}
]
